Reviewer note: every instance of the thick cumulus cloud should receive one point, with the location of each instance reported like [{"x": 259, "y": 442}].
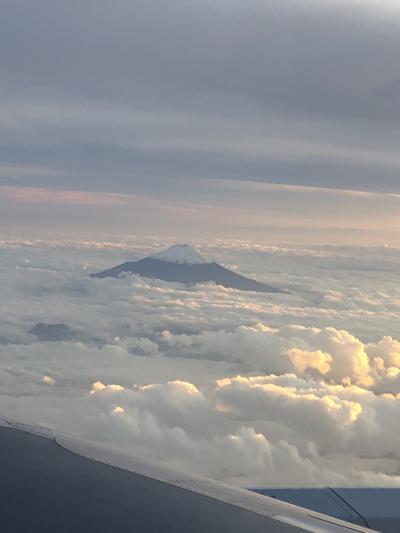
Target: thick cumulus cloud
[
  {"x": 335, "y": 355},
  {"x": 256, "y": 389},
  {"x": 261, "y": 429},
  {"x": 350, "y": 419}
]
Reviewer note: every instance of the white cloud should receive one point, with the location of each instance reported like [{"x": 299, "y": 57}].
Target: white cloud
[
  {"x": 99, "y": 386},
  {"x": 336, "y": 354},
  {"x": 48, "y": 380},
  {"x": 303, "y": 360},
  {"x": 118, "y": 410}
]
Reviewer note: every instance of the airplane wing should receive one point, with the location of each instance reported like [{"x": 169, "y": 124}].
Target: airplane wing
[
  {"x": 54, "y": 483},
  {"x": 377, "y": 508}
]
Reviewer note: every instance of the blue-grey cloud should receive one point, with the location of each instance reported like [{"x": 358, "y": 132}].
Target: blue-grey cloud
[{"x": 111, "y": 96}]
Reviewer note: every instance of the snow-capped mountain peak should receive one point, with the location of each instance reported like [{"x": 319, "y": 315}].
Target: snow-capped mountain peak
[
  {"x": 180, "y": 254},
  {"x": 182, "y": 264}
]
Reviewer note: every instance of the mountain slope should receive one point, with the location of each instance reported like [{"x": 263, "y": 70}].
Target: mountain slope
[{"x": 176, "y": 269}]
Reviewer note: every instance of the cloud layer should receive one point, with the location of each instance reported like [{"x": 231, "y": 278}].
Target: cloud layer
[
  {"x": 301, "y": 389},
  {"x": 169, "y": 102}
]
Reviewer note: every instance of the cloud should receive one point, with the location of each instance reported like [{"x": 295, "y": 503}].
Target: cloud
[
  {"x": 98, "y": 386},
  {"x": 388, "y": 349},
  {"x": 350, "y": 418},
  {"x": 304, "y": 360},
  {"x": 292, "y": 407},
  {"x": 118, "y": 410},
  {"x": 336, "y": 354},
  {"x": 48, "y": 380},
  {"x": 295, "y": 430}
]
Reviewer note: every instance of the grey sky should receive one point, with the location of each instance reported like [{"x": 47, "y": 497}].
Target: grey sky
[{"x": 150, "y": 97}]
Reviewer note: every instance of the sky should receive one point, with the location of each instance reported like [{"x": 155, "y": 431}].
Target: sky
[{"x": 265, "y": 120}]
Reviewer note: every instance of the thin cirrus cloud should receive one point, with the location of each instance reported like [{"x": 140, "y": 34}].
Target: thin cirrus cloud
[{"x": 227, "y": 208}]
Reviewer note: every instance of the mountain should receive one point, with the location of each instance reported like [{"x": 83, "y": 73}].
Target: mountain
[
  {"x": 53, "y": 332},
  {"x": 181, "y": 263}
]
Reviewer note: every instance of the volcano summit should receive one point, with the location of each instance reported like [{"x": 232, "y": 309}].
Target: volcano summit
[{"x": 181, "y": 263}]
